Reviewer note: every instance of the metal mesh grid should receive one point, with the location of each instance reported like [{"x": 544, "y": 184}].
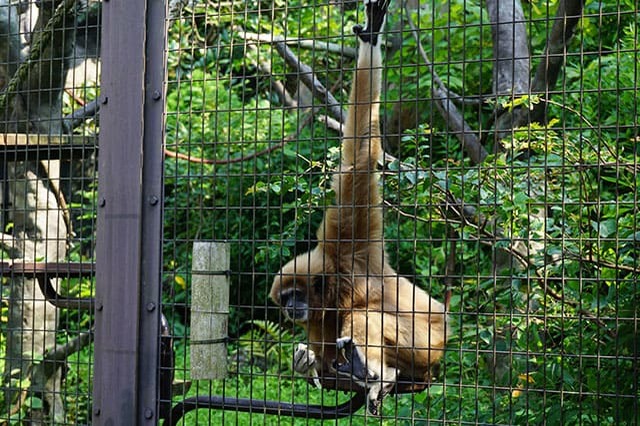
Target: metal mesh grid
[
  {"x": 510, "y": 183},
  {"x": 49, "y": 83}
]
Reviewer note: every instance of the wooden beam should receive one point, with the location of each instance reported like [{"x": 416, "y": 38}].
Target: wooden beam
[{"x": 21, "y": 146}]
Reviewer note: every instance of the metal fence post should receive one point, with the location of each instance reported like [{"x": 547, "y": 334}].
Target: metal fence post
[{"x": 129, "y": 240}]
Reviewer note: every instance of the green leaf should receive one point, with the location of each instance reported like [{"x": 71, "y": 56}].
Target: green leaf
[{"x": 605, "y": 228}]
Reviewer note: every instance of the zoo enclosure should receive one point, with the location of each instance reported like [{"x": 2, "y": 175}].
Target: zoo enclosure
[{"x": 543, "y": 267}]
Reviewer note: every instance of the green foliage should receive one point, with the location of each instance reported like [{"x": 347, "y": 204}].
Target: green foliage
[{"x": 545, "y": 255}]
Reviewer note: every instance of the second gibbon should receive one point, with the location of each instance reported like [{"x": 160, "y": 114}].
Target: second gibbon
[{"x": 364, "y": 322}]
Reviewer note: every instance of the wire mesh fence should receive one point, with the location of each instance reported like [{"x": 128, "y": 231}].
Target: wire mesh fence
[
  {"x": 494, "y": 177},
  {"x": 49, "y": 81},
  {"x": 509, "y": 186}
]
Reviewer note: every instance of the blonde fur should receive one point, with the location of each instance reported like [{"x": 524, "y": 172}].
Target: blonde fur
[{"x": 399, "y": 329}]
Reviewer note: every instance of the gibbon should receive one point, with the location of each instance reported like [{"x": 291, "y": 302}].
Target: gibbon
[{"x": 364, "y": 322}]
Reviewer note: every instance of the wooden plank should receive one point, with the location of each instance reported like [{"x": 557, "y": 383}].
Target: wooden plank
[{"x": 21, "y": 146}]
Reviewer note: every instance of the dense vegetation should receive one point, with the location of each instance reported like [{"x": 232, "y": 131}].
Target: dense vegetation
[
  {"x": 539, "y": 244},
  {"x": 543, "y": 267}
]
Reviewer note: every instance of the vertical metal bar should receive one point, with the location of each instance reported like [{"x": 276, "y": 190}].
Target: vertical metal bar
[
  {"x": 119, "y": 213},
  {"x": 129, "y": 215},
  {"x": 152, "y": 184}
]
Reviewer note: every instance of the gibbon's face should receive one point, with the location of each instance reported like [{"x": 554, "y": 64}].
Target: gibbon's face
[{"x": 299, "y": 286}]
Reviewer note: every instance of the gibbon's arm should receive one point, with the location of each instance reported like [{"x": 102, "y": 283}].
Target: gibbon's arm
[{"x": 354, "y": 225}]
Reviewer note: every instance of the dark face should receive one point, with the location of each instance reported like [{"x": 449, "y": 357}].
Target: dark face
[
  {"x": 294, "y": 304},
  {"x": 299, "y": 296}
]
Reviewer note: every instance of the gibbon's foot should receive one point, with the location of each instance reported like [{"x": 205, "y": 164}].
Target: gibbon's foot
[
  {"x": 304, "y": 362},
  {"x": 379, "y": 390},
  {"x": 374, "y": 401},
  {"x": 376, "y": 10},
  {"x": 355, "y": 366}
]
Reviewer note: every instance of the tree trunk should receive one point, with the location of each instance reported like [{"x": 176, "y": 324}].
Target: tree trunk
[{"x": 39, "y": 232}]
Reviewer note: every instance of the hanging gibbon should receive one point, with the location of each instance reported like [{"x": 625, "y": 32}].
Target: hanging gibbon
[{"x": 365, "y": 324}]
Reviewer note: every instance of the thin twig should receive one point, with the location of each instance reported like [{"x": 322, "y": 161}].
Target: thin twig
[
  {"x": 630, "y": 168},
  {"x": 599, "y": 262},
  {"x": 489, "y": 241}
]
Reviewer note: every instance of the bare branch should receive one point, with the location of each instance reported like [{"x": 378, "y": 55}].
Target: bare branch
[
  {"x": 309, "y": 79},
  {"x": 306, "y": 75},
  {"x": 277, "y": 86},
  {"x": 447, "y": 108},
  {"x": 567, "y": 17},
  {"x": 341, "y": 49},
  {"x": 331, "y": 123}
]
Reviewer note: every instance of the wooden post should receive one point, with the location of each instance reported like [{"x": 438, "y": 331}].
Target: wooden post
[{"x": 209, "y": 310}]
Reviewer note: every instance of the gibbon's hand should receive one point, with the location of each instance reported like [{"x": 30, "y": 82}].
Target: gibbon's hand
[
  {"x": 304, "y": 363},
  {"x": 355, "y": 366},
  {"x": 356, "y": 369},
  {"x": 376, "y": 11}
]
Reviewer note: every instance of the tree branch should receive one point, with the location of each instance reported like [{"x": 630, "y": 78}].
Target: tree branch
[
  {"x": 341, "y": 49},
  {"x": 511, "y": 70},
  {"x": 567, "y": 17},
  {"x": 33, "y": 75},
  {"x": 305, "y": 73},
  {"x": 277, "y": 86},
  {"x": 447, "y": 108},
  {"x": 599, "y": 262}
]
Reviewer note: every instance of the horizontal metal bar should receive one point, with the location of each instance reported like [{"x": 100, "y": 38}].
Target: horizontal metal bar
[
  {"x": 52, "y": 269},
  {"x": 267, "y": 407},
  {"x": 44, "y": 272}
]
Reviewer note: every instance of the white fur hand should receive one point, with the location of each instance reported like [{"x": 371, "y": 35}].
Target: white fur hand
[{"x": 304, "y": 362}]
